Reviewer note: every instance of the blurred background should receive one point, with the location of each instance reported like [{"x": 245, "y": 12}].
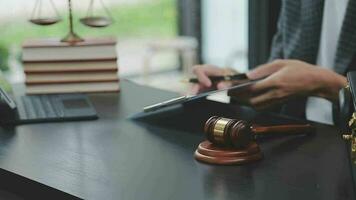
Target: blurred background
[{"x": 158, "y": 40}]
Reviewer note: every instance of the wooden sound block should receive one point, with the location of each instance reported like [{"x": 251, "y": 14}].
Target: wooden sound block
[{"x": 209, "y": 153}]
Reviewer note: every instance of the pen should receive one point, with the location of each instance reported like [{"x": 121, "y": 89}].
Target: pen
[{"x": 219, "y": 78}]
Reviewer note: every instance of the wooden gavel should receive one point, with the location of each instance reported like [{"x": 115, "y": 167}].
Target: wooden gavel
[{"x": 239, "y": 134}]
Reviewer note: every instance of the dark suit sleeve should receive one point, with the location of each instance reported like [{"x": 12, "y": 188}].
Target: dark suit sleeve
[{"x": 277, "y": 42}]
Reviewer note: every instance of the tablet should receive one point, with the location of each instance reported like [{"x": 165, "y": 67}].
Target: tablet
[{"x": 190, "y": 98}]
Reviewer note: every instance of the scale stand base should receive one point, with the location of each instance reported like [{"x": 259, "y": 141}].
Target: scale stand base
[
  {"x": 72, "y": 38},
  {"x": 211, "y": 154}
]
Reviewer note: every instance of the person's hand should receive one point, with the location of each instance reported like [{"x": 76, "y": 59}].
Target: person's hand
[
  {"x": 203, "y": 72},
  {"x": 291, "y": 78}
]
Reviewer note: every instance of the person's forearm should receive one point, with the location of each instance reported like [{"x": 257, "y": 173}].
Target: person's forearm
[{"x": 329, "y": 84}]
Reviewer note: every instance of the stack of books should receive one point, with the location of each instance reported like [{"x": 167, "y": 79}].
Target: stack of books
[{"x": 52, "y": 66}]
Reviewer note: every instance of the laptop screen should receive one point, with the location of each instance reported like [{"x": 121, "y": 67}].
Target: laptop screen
[{"x": 4, "y": 96}]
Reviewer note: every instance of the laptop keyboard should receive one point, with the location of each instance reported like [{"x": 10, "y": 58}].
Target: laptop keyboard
[{"x": 41, "y": 107}]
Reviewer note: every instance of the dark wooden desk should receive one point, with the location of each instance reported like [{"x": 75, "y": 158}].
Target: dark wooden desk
[{"x": 117, "y": 158}]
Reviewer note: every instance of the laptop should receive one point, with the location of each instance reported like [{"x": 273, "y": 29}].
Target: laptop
[{"x": 44, "y": 108}]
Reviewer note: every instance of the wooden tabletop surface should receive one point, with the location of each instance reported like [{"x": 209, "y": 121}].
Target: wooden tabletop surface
[{"x": 116, "y": 157}]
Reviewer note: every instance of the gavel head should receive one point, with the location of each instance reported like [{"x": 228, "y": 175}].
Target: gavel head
[{"x": 228, "y": 132}]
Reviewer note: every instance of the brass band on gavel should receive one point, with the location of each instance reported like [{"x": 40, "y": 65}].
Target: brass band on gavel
[{"x": 228, "y": 132}]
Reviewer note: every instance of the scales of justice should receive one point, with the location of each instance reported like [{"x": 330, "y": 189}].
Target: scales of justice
[{"x": 91, "y": 20}]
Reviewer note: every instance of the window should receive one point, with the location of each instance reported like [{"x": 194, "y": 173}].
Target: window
[
  {"x": 225, "y": 33},
  {"x": 136, "y": 22}
]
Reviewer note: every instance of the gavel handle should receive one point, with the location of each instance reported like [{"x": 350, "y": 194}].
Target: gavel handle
[{"x": 283, "y": 129}]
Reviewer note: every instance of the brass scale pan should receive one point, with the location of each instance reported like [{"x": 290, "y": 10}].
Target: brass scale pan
[{"x": 89, "y": 20}]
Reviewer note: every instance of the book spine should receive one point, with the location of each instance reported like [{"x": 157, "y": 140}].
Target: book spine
[
  {"x": 71, "y": 88},
  {"x": 49, "y": 82},
  {"x": 69, "y": 53},
  {"x": 69, "y": 60},
  {"x": 72, "y": 67},
  {"x": 55, "y": 42},
  {"x": 40, "y": 71}
]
